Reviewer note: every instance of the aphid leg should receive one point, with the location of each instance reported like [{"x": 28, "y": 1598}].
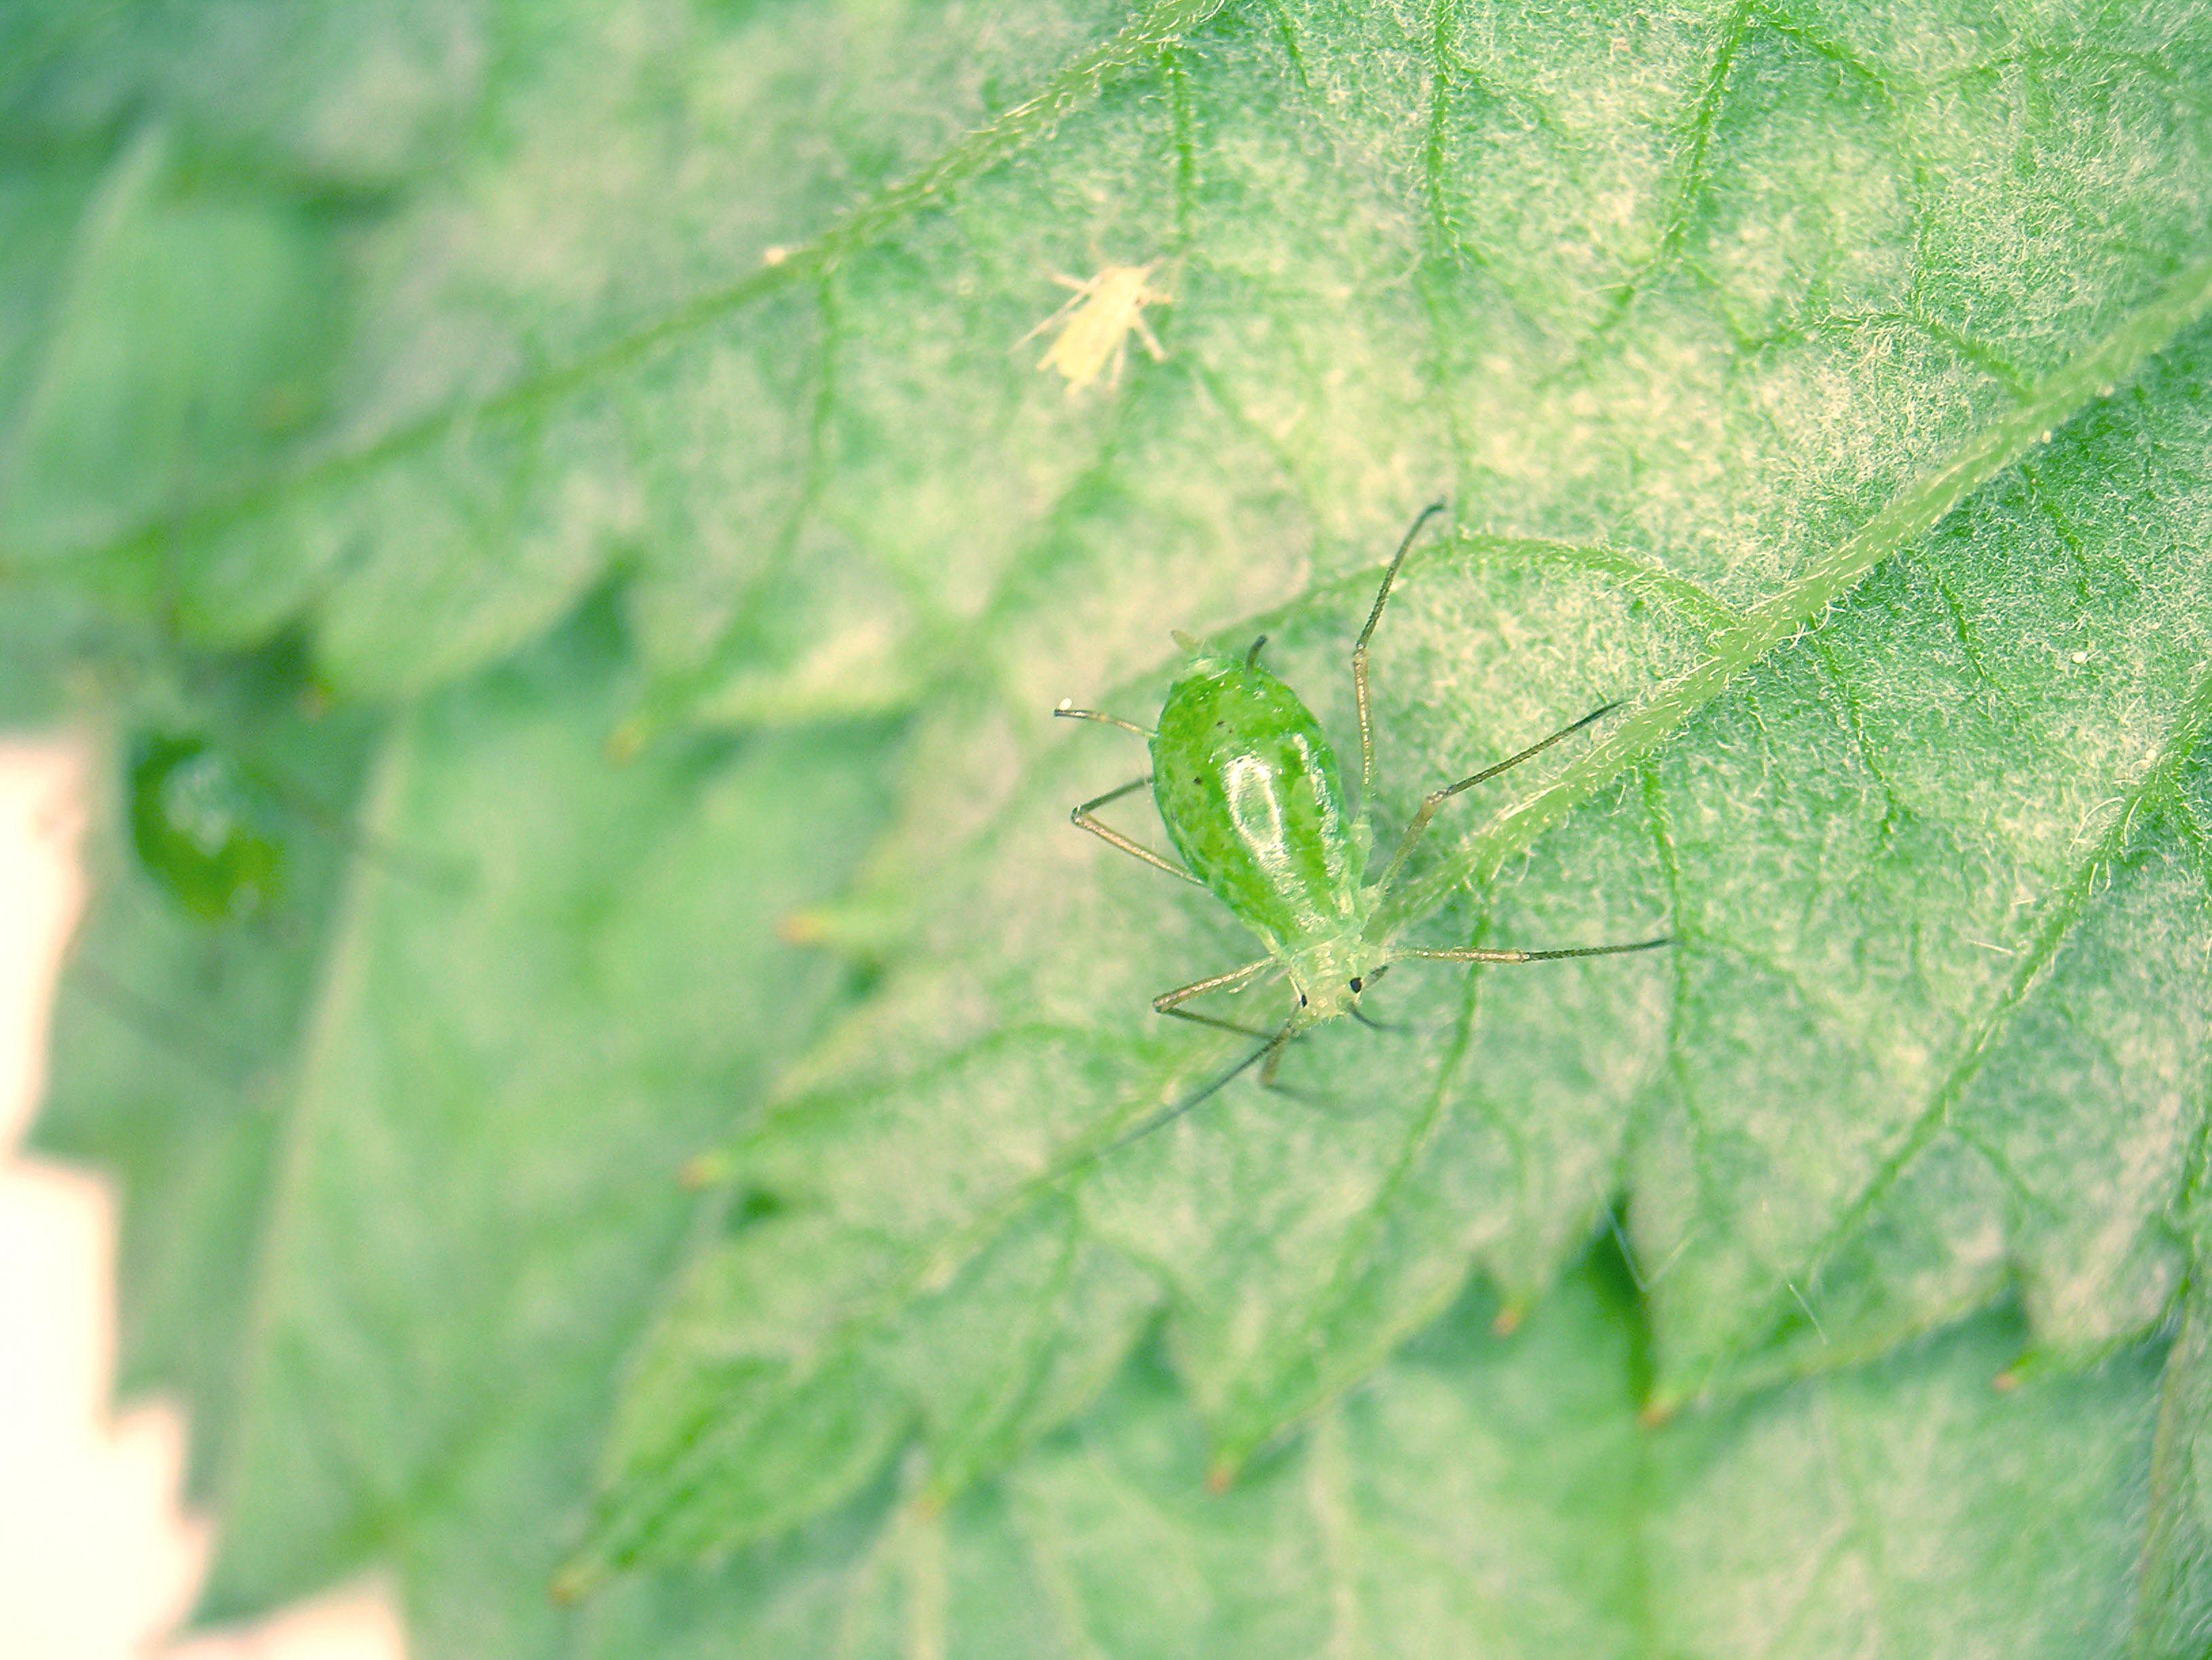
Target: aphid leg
[
  {"x": 1145, "y": 329},
  {"x": 146, "y": 1020},
  {"x": 1170, "y": 1002},
  {"x": 433, "y": 874},
  {"x": 1082, "y": 819},
  {"x": 1215, "y": 1020},
  {"x": 1481, "y": 954},
  {"x": 1067, "y": 711},
  {"x": 1419, "y": 825},
  {"x": 1359, "y": 655},
  {"x": 1266, "y": 1053}
]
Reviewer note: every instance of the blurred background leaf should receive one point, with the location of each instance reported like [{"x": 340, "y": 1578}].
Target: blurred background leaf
[{"x": 405, "y": 1171}]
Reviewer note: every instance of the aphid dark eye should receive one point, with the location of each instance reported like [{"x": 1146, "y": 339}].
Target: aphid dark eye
[
  {"x": 1355, "y": 982},
  {"x": 1302, "y": 1000}
]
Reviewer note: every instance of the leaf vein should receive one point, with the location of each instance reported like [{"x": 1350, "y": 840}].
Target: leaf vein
[
  {"x": 2065, "y": 910},
  {"x": 1827, "y": 577}
]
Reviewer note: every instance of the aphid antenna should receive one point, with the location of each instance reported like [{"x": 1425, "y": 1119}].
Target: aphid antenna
[
  {"x": 1069, "y": 305},
  {"x": 1420, "y": 823},
  {"x": 1487, "y": 954},
  {"x": 1360, "y": 651}
]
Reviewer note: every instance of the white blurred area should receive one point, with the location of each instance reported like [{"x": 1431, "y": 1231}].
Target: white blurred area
[{"x": 98, "y": 1559}]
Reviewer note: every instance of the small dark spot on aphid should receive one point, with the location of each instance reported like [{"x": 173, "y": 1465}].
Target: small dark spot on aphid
[
  {"x": 1355, "y": 982},
  {"x": 1198, "y": 778},
  {"x": 1302, "y": 1000}
]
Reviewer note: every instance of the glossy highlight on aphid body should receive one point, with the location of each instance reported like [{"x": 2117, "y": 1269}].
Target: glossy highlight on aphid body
[
  {"x": 1253, "y": 798},
  {"x": 1095, "y": 324}
]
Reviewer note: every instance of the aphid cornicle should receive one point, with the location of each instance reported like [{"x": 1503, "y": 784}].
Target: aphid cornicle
[{"x": 1253, "y": 798}]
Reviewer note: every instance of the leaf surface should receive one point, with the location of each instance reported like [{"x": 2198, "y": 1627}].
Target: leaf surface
[
  {"x": 175, "y": 1044},
  {"x": 1918, "y": 859},
  {"x": 1498, "y": 1497},
  {"x": 1827, "y": 379},
  {"x": 1707, "y": 286}
]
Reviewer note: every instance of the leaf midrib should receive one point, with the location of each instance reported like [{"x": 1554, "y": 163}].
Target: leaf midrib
[{"x": 285, "y": 1204}]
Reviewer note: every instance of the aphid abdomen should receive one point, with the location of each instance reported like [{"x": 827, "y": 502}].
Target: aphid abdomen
[{"x": 1248, "y": 788}]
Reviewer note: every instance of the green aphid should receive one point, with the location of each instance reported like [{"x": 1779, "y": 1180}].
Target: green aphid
[
  {"x": 222, "y": 835},
  {"x": 202, "y": 828},
  {"x": 1253, "y": 798}
]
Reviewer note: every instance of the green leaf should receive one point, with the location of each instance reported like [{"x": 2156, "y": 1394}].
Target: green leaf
[
  {"x": 1708, "y": 286},
  {"x": 340, "y": 95},
  {"x": 438, "y": 1217},
  {"x": 1496, "y": 1497},
  {"x": 44, "y": 638},
  {"x": 169, "y": 337},
  {"x": 480, "y": 1185},
  {"x": 2174, "y": 1579},
  {"x": 2089, "y": 1075},
  {"x": 175, "y": 1045},
  {"x": 531, "y": 435},
  {"x": 1935, "y": 867},
  {"x": 1706, "y": 316}
]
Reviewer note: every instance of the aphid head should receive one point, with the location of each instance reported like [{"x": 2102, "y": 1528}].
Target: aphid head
[
  {"x": 1207, "y": 663},
  {"x": 1328, "y": 976}
]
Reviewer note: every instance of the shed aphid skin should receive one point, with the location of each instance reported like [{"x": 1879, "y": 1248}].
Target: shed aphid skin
[
  {"x": 1253, "y": 799},
  {"x": 1096, "y": 323}
]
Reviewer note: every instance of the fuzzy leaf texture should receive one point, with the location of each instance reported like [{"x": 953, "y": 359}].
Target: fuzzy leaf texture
[
  {"x": 1913, "y": 769},
  {"x": 1830, "y": 382}
]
